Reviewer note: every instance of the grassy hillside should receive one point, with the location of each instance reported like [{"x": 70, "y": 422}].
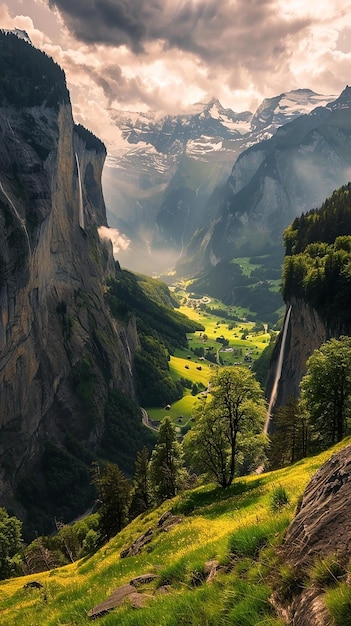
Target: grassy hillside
[
  {"x": 238, "y": 528},
  {"x": 244, "y": 343}
]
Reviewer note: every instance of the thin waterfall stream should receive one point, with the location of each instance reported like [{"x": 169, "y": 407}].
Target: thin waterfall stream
[
  {"x": 20, "y": 219},
  {"x": 278, "y": 373},
  {"x": 81, "y": 208}
]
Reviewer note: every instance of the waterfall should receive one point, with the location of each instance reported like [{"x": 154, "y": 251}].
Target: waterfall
[
  {"x": 127, "y": 351},
  {"x": 20, "y": 219},
  {"x": 273, "y": 397},
  {"x": 81, "y": 208}
]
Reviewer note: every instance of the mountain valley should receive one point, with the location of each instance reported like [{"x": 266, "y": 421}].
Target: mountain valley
[{"x": 159, "y": 437}]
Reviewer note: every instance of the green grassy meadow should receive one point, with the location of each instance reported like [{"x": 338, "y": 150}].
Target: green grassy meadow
[
  {"x": 235, "y": 527},
  {"x": 242, "y": 342}
]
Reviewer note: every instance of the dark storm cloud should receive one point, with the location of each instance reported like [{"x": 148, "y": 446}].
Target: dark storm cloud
[{"x": 216, "y": 31}]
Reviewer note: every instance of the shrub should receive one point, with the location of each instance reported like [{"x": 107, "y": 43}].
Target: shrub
[
  {"x": 279, "y": 498},
  {"x": 290, "y": 582},
  {"x": 326, "y": 571},
  {"x": 338, "y": 601}
]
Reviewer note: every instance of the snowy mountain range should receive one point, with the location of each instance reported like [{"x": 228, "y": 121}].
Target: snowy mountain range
[{"x": 158, "y": 187}]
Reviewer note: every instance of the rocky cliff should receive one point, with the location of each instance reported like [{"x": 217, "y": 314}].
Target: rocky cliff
[
  {"x": 56, "y": 334},
  {"x": 315, "y": 287},
  {"x": 306, "y": 332},
  {"x": 320, "y": 533}
]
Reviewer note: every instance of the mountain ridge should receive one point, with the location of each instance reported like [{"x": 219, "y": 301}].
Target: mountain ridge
[{"x": 180, "y": 160}]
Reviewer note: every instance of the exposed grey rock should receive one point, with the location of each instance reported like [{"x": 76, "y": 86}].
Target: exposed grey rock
[
  {"x": 52, "y": 277},
  {"x": 306, "y": 332},
  {"x": 144, "y": 579},
  {"x": 164, "y": 524},
  {"x": 321, "y": 527},
  {"x": 115, "y": 599}
]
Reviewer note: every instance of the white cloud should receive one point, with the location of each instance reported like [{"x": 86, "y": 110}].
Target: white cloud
[
  {"x": 119, "y": 241},
  {"x": 167, "y": 55}
]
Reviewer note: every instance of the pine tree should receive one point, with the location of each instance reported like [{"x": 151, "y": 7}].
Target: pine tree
[
  {"x": 166, "y": 465},
  {"x": 142, "y": 498},
  {"x": 114, "y": 491}
]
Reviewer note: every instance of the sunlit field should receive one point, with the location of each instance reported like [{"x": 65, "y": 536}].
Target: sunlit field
[
  {"x": 243, "y": 346},
  {"x": 214, "y": 524}
]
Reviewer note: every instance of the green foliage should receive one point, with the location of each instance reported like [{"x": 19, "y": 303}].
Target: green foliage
[
  {"x": 290, "y": 439},
  {"x": 166, "y": 463},
  {"x": 317, "y": 265},
  {"x": 227, "y": 282},
  {"x": 10, "y": 544},
  {"x": 61, "y": 488},
  {"x": 289, "y": 582},
  {"x": 151, "y": 304},
  {"x": 28, "y": 77},
  {"x": 114, "y": 492},
  {"x": 326, "y": 391},
  {"x": 261, "y": 365},
  {"x": 247, "y": 604},
  {"x": 174, "y": 573},
  {"x": 142, "y": 496},
  {"x": 338, "y": 602},
  {"x": 155, "y": 387},
  {"x": 91, "y": 542},
  {"x": 66, "y": 545},
  {"x": 248, "y": 540},
  {"x": 279, "y": 498},
  {"x": 161, "y": 329},
  {"x": 227, "y": 425},
  {"x": 326, "y": 571},
  {"x": 124, "y": 433}
]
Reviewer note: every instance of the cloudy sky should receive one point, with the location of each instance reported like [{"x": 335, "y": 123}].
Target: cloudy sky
[{"x": 167, "y": 54}]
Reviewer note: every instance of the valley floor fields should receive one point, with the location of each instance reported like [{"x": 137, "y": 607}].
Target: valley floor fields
[{"x": 227, "y": 339}]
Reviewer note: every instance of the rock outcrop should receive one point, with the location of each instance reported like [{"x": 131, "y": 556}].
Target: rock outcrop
[
  {"x": 55, "y": 325},
  {"x": 321, "y": 528},
  {"x": 306, "y": 332}
]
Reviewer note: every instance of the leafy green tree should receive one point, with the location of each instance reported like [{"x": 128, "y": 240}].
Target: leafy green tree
[
  {"x": 142, "y": 498},
  {"x": 166, "y": 465},
  {"x": 10, "y": 544},
  {"x": 234, "y": 415},
  {"x": 114, "y": 491},
  {"x": 326, "y": 391},
  {"x": 290, "y": 437}
]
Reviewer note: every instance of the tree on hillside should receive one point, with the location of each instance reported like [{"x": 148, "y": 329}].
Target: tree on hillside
[
  {"x": 234, "y": 415},
  {"x": 326, "y": 391},
  {"x": 114, "y": 492},
  {"x": 166, "y": 465},
  {"x": 290, "y": 437},
  {"x": 142, "y": 498},
  {"x": 10, "y": 544}
]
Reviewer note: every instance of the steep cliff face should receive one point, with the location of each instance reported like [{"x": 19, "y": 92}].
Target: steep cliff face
[
  {"x": 320, "y": 530},
  {"x": 316, "y": 285},
  {"x": 56, "y": 331},
  {"x": 273, "y": 181},
  {"x": 306, "y": 332}
]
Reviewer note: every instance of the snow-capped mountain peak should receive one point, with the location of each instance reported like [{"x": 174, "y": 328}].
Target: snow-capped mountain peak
[{"x": 281, "y": 109}]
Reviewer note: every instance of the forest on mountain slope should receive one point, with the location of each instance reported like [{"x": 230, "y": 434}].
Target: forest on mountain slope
[{"x": 317, "y": 265}]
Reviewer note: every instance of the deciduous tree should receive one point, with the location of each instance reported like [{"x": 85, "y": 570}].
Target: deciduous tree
[
  {"x": 233, "y": 416},
  {"x": 326, "y": 391},
  {"x": 10, "y": 543}
]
